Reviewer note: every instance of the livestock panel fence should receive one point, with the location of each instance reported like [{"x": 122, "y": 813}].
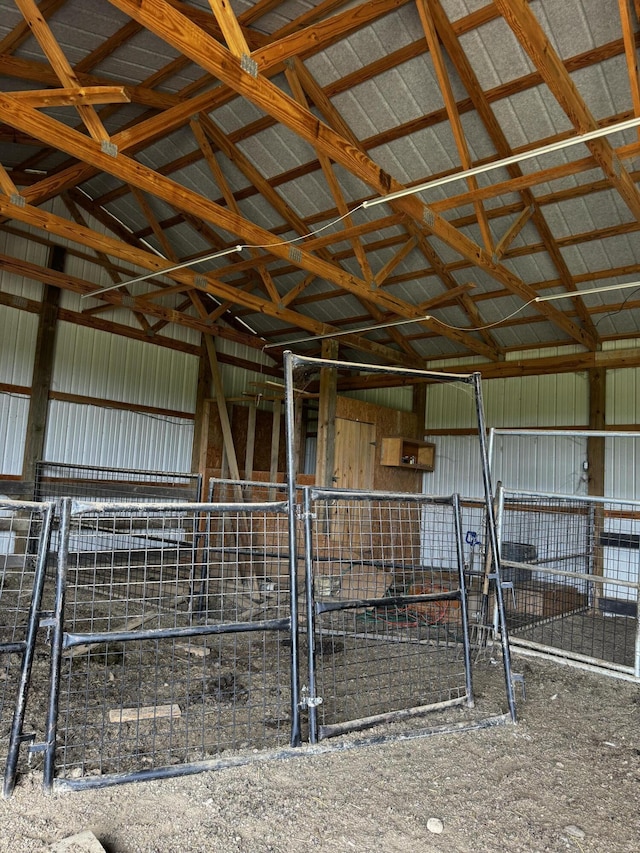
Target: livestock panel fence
[
  {"x": 172, "y": 641},
  {"x": 25, "y": 529},
  {"x": 573, "y": 566},
  {"x": 387, "y": 610},
  {"x": 183, "y": 637},
  {"x": 56, "y": 480}
]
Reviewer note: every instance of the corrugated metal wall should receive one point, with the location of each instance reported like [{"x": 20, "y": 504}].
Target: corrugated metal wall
[
  {"x": 97, "y": 364},
  {"x": 92, "y": 435},
  {"x": 17, "y": 344},
  {"x": 542, "y": 463},
  {"x": 545, "y": 463},
  {"x": 94, "y": 363}
]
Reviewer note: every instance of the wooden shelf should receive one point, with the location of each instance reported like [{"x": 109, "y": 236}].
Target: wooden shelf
[{"x": 401, "y": 452}]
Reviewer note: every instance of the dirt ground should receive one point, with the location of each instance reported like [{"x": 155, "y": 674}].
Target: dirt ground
[{"x": 565, "y": 777}]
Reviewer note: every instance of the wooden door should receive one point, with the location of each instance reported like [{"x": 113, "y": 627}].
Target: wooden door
[{"x": 355, "y": 454}]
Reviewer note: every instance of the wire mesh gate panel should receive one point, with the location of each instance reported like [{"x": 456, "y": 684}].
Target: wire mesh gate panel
[
  {"x": 574, "y": 568},
  {"x": 303, "y": 373},
  {"x": 173, "y": 639},
  {"x": 388, "y": 606},
  {"x": 24, "y": 541},
  {"x": 55, "y": 480}
]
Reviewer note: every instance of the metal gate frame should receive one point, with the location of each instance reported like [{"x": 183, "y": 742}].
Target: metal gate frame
[
  {"x": 26, "y": 647},
  {"x": 99, "y": 482},
  {"x": 63, "y": 641},
  {"x": 315, "y": 608},
  {"x": 293, "y": 362},
  {"x": 578, "y": 660}
]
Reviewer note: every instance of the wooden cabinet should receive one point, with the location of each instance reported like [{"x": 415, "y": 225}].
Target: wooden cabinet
[{"x": 401, "y": 452}]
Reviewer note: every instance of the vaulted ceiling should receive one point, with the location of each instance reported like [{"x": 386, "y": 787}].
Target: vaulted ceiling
[{"x": 146, "y": 134}]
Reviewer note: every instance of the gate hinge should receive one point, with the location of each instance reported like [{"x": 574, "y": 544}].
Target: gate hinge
[
  {"x": 301, "y": 515},
  {"x": 307, "y": 701}
]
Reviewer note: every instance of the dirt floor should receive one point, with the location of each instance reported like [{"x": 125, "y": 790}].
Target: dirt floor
[{"x": 566, "y": 777}]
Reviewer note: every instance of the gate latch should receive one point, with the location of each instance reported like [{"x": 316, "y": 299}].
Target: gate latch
[{"x": 307, "y": 701}]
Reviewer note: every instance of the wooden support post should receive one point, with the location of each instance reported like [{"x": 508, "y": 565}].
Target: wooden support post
[
  {"x": 275, "y": 441},
  {"x": 251, "y": 442},
  {"x": 327, "y": 417},
  {"x": 596, "y": 465},
  {"x": 42, "y": 371},
  {"x": 201, "y": 421},
  {"x": 227, "y": 434},
  {"x": 420, "y": 406}
]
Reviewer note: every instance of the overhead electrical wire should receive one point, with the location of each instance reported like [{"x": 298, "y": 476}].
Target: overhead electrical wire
[{"x": 407, "y": 191}]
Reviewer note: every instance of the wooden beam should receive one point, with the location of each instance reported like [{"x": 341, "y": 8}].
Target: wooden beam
[
  {"x": 300, "y": 93},
  {"x": 251, "y": 441},
  {"x": 39, "y": 218},
  {"x": 201, "y": 419},
  {"x": 231, "y": 30},
  {"x": 451, "y": 107},
  {"x": 225, "y": 423},
  {"x": 631, "y": 54},
  {"x": 6, "y": 183},
  {"x": 42, "y": 372},
  {"x": 512, "y": 232},
  {"x": 275, "y": 441},
  {"x": 478, "y": 97},
  {"x": 325, "y": 447},
  {"x": 73, "y": 97},
  {"x": 174, "y": 28},
  {"x": 60, "y": 64},
  {"x": 535, "y": 42}
]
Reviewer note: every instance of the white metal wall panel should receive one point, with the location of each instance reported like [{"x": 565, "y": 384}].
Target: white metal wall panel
[
  {"x": 541, "y": 463},
  {"x": 236, "y": 380},
  {"x": 98, "y": 364},
  {"x": 21, "y": 247},
  {"x": 457, "y": 467},
  {"x": 450, "y": 405},
  {"x": 14, "y": 411},
  {"x": 391, "y": 398},
  {"x": 18, "y": 332},
  {"x": 89, "y": 435},
  {"x": 532, "y": 401},
  {"x": 544, "y": 463},
  {"x": 623, "y": 396},
  {"x": 622, "y": 467}
]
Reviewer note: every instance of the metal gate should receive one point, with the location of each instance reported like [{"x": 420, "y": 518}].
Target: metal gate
[
  {"x": 573, "y": 565},
  {"x": 386, "y": 608},
  {"x": 25, "y": 530},
  {"x": 173, "y": 640}
]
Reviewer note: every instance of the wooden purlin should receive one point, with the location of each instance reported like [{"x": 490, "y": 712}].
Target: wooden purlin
[
  {"x": 60, "y": 64},
  {"x": 499, "y": 139},
  {"x": 131, "y": 171},
  {"x": 531, "y": 36},
  {"x": 415, "y": 236},
  {"x": 177, "y": 30},
  {"x": 300, "y": 92},
  {"x": 54, "y": 224}
]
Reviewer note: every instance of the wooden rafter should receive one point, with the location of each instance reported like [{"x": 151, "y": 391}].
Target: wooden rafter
[
  {"x": 60, "y": 64},
  {"x": 74, "y": 97},
  {"x": 207, "y": 283},
  {"x": 177, "y": 30},
  {"x": 500, "y": 141},
  {"x": 525, "y": 25},
  {"x": 234, "y": 57},
  {"x": 452, "y": 112},
  {"x": 631, "y": 54}
]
